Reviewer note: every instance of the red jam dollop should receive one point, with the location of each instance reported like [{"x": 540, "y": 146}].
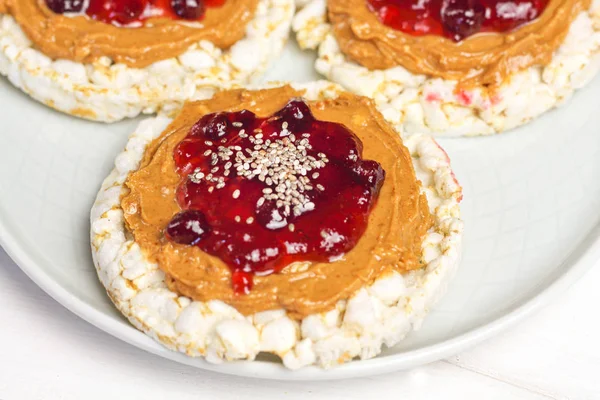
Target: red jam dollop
[
  {"x": 456, "y": 19},
  {"x": 128, "y": 12},
  {"x": 261, "y": 193}
]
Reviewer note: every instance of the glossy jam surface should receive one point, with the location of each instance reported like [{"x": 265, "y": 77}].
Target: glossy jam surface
[
  {"x": 134, "y": 12},
  {"x": 456, "y": 19},
  {"x": 261, "y": 193}
]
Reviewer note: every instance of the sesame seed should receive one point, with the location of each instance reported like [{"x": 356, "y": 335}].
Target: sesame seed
[
  {"x": 291, "y": 227},
  {"x": 320, "y": 187},
  {"x": 237, "y": 218},
  {"x": 283, "y": 165},
  {"x": 211, "y": 189},
  {"x": 196, "y": 176},
  {"x": 237, "y": 124},
  {"x": 250, "y": 220}
]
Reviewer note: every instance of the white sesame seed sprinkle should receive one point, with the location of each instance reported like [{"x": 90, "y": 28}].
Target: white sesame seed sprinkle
[{"x": 283, "y": 164}]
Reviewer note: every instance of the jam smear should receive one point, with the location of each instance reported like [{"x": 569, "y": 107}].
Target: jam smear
[
  {"x": 65, "y": 6},
  {"x": 261, "y": 193},
  {"x": 456, "y": 19},
  {"x": 135, "y": 12}
]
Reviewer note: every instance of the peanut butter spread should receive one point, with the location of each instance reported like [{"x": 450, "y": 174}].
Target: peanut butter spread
[
  {"x": 392, "y": 240},
  {"x": 83, "y": 39},
  {"x": 483, "y": 59}
]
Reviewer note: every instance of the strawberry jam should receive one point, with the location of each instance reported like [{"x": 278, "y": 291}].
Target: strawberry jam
[
  {"x": 128, "y": 12},
  {"x": 456, "y": 19},
  {"x": 261, "y": 193}
]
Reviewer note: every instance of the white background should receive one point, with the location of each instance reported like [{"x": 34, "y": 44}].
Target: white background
[{"x": 48, "y": 353}]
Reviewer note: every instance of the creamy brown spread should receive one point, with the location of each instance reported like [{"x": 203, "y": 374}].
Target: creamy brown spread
[
  {"x": 392, "y": 240},
  {"x": 482, "y": 59},
  {"x": 84, "y": 40}
]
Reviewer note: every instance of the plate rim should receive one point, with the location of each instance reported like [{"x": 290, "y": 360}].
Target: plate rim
[{"x": 582, "y": 258}]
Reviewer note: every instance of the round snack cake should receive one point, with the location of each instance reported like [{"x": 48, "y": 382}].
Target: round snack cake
[
  {"x": 290, "y": 220},
  {"x": 106, "y": 60},
  {"x": 455, "y": 67}
]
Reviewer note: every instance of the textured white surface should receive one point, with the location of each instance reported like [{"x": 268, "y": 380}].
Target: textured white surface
[
  {"x": 55, "y": 355},
  {"x": 359, "y": 326},
  {"x": 105, "y": 91},
  {"x": 522, "y": 226},
  {"x": 423, "y": 104}
]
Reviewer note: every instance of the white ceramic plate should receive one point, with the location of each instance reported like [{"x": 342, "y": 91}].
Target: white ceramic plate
[{"x": 531, "y": 210}]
